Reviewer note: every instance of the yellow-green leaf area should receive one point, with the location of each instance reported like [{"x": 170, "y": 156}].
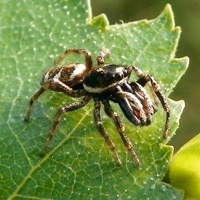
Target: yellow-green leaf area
[
  {"x": 184, "y": 169},
  {"x": 79, "y": 164}
]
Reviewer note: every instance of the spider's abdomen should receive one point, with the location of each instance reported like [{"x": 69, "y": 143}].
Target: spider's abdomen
[
  {"x": 105, "y": 77},
  {"x": 70, "y": 75}
]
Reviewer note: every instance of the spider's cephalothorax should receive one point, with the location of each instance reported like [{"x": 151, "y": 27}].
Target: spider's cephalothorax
[{"x": 104, "y": 84}]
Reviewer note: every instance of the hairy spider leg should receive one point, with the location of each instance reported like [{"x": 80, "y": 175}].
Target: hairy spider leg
[
  {"x": 102, "y": 55},
  {"x": 145, "y": 100},
  {"x": 144, "y": 79},
  {"x": 56, "y": 82},
  {"x": 86, "y": 53},
  {"x": 130, "y": 106},
  {"x": 63, "y": 87},
  {"x": 103, "y": 132},
  {"x": 31, "y": 102},
  {"x": 120, "y": 127},
  {"x": 57, "y": 118}
]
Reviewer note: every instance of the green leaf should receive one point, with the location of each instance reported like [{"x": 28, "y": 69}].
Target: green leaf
[
  {"x": 184, "y": 169},
  {"x": 79, "y": 164}
]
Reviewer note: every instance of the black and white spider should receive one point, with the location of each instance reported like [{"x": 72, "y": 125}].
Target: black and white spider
[{"x": 104, "y": 84}]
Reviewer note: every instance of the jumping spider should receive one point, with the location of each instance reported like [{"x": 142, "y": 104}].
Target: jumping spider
[{"x": 104, "y": 84}]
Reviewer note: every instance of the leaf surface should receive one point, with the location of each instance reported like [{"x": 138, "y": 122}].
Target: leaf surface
[{"x": 79, "y": 164}]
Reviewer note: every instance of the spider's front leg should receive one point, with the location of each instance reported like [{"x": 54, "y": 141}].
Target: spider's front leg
[
  {"x": 57, "y": 118},
  {"x": 120, "y": 127},
  {"x": 143, "y": 80},
  {"x": 141, "y": 101}
]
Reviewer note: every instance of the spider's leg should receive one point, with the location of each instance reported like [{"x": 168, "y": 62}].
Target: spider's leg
[
  {"x": 31, "y": 102},
  {"x": 104, "y": 133},
  {"x": 52, "y": 83},
  {"x": 57, "y": 118},
  {"x": 131, "y": 106},
  {"x": 148, "y": 106},
  {"x": 86, "y": 53},
  {"x": 60, "y": 86},
  {"x": 120, "y": 127},
  {"x": 144, "y": 79},
  {"x": 164, "y": 103},
  {"x": 101, "y": 57}
]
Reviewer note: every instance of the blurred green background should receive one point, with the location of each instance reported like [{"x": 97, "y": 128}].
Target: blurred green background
[{"x": 187, "y": 16}]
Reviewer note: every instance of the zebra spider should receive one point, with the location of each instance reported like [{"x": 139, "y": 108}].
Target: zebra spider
[{"x": 104, "y": 84}]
